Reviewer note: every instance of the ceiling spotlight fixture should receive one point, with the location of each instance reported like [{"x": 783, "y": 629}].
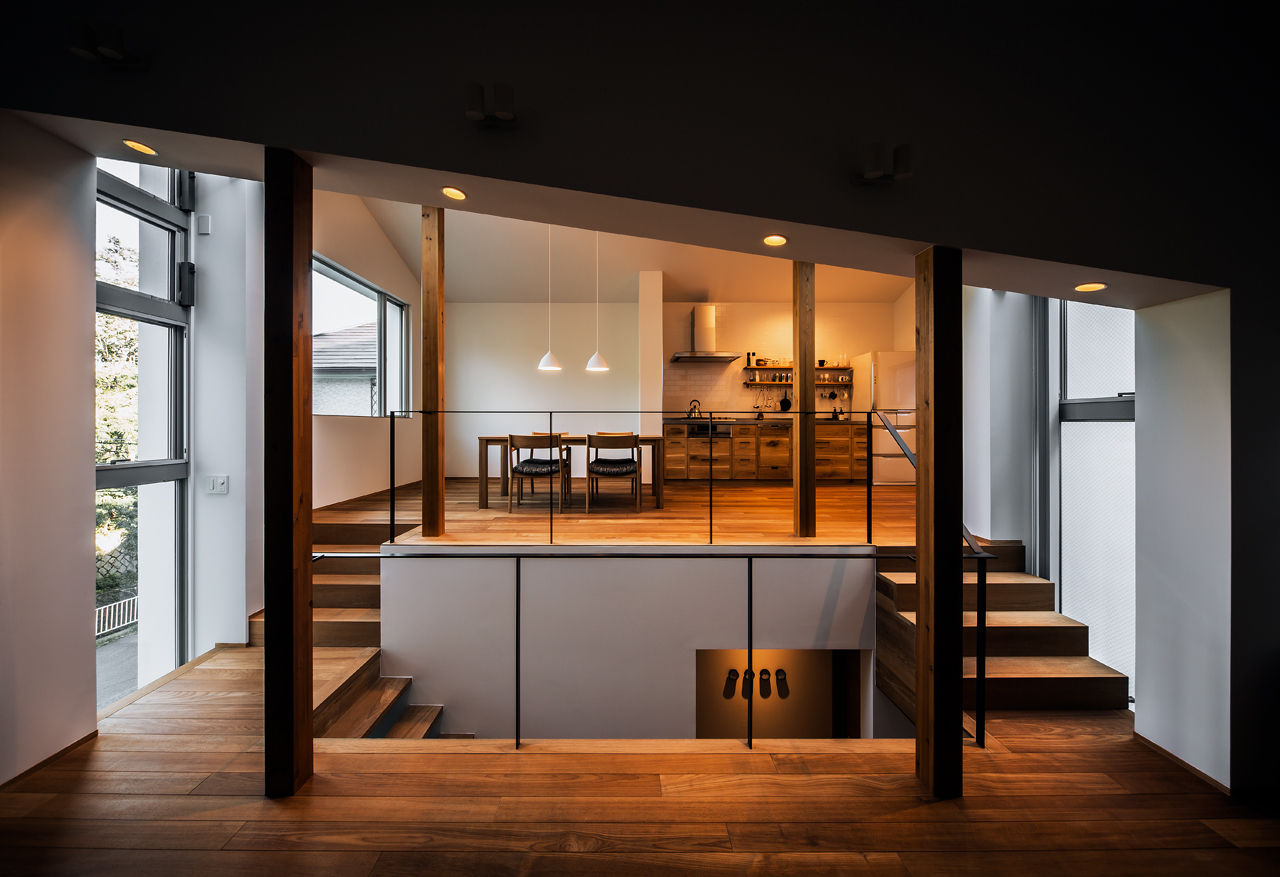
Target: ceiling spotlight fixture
[
  {"x": 597, "y": 362},
  {"x": 140, "y": 147},
  {"x": 774, "y": 240},
  {"x": 877, "y": 167},
  {"x": 455, "y": 193},
  {"x": 548, "y": 363},
  {"x": 1092, "y": 286}
]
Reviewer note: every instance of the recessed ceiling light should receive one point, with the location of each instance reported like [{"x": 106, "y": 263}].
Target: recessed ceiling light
[
  {"x": 774, "y": 240},
  {"x": 1093, "y": 286},
  {"x": 140, "y": 147},
  {"x": 455, "y": 193}
]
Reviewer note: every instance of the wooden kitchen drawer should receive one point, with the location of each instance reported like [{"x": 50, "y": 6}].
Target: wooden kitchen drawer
[
  {"x": 831, "y": 446},
  {"x": 775, "y": 450},
  {"x": 744, "y": 446},
  {"x": 675, "y": 445},
  {"x": 773, "y": 473},
  {"x": 670, "y": 471},
  {"x": 744, "y": 467},
  {"x": 832, "y": 430},
  {"x": 775, "y": 427},
  {"x": 670, "y": 431},
  {"x": 719, "y": 472},
  {"x": 834, "y": 470},
  {"x": 744, "y": 429}
]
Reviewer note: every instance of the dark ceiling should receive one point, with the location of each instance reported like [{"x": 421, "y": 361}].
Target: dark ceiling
[{"x": 1135, "y": 137}]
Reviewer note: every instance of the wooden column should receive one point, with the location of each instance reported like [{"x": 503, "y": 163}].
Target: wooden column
[
  {"x": 432, "y": 370},
  {"x": 804, "y": 476},
  {"x": 939, "y": 483},
  {"x": 287, "y": 471}
]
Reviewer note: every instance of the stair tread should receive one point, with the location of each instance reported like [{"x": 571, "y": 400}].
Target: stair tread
[
  {"x": 1046, "y": 667},
  {"x": 971, "y": 578},
  {"x": 416, "y": 722},
  {"x": 346, "y": 579},
  {"x": 332, "y": 666},
  {"x": 1012, "y": 618},
  {"x": 369, "y": 708},
  {"x": 345, "y": 548},
  {"x": 322, "y": 613}
]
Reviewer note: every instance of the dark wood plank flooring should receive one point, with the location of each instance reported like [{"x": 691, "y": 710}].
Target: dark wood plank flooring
[{"x": 178, "y": 790}]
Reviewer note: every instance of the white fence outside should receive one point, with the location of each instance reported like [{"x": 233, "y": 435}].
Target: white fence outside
[{"x": 114, "y": 616}]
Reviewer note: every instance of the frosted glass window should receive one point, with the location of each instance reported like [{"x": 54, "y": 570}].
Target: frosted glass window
[
  {"x": 1098, "y": 534},
  {"x": 1099, "y": 348}
]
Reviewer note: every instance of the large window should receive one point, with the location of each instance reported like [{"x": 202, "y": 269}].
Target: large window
[
  {"x": 1098, "y": 499},
  {"x": 358, "y": 345},
  {"x": 140, "y": 447}
]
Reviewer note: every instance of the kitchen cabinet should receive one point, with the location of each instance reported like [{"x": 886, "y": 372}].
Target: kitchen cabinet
[{"x": 760, "y": 449}]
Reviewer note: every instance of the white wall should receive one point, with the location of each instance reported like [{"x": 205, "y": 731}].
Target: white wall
[
  {"x": 998, "y": 413},
  {"x": 607, "y": 645},
  {"x": 764, "y": 327},
  {"x": 649, "y": 342},
  {"x": 47, "y": 689},
  {"x": 226, "y": 413},
  {"x": 350, "y": 453},
  {"x": 904, "y": 319},
  {"x": 1184, "y": 530},
  {"x": 491, "y": 364}
]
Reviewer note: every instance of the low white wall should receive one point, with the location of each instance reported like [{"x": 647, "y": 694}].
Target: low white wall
[
  {"x": 1183, "y": 430},
  {"x": 607, "y": 644},
  {"x": 47, "y": 691},
  {"x": 350, "y": 453}
]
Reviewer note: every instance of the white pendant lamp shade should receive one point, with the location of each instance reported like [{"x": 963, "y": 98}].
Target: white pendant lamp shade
[
  {"x": 548, "y": 363},
  {"x": 597, "y": 363}
]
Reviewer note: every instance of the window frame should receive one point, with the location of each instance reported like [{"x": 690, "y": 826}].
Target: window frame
[
  {"x": 169, "y": 313},
  {"x": 336, "y": 272}
]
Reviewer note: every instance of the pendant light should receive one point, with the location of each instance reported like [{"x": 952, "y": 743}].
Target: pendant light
[
  {"x": 548, "y": 363},
  {"x": 597, "y": 362}
]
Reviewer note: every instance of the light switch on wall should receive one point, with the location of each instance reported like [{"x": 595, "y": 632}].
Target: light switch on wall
[{"x": 219, "y": 483}]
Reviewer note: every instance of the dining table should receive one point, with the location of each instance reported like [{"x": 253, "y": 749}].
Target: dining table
[{"x": 653, "y": 442}]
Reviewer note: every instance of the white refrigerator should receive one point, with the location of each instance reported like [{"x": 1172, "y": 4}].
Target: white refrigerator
[{"x": 885, "y": 381}]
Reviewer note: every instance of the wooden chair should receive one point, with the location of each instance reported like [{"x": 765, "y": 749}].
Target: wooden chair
[
  {"x": 613, "y": 467},
  {"x": 533, "y": 467}
]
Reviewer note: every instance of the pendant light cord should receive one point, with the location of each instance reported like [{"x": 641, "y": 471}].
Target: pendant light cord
[
  {"x": 549, "y": 286},
  {"x": 597, "y": 292}
]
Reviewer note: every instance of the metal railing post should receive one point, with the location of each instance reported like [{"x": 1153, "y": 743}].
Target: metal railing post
[
  {"x": 517, "y": 730},
  {"x": 870, "y": 457},
  {"x": 749, "y": 677},
  {"x": 391, "y": 455},
  {"x": 980, "y": 679},
  {"x": 711, "y": 488}
]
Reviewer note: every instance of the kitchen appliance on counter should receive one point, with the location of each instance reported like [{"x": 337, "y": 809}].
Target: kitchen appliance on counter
[{"x": 885, "y": 381}]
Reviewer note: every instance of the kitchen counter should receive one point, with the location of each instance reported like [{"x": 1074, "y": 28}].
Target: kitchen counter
[{"x": 751, "y": 449}]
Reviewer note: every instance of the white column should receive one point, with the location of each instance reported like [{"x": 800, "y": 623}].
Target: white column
[{"x": 649, "y": 321}]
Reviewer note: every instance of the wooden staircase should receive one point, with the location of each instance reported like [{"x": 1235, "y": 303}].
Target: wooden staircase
[
  {"x": 1037, "y": 658},
  {"x": 352, "y": 698}
]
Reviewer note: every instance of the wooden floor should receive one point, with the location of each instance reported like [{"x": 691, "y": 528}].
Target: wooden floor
[
  {"x": 173, "y": 786},
  {"x": 741, "y": 512}
]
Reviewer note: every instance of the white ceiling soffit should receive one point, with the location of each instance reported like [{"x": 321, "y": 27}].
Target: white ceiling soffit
[{"x": 658, "y": 223}]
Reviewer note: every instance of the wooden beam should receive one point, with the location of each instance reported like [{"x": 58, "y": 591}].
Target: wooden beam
[
  {"x": 804, "y": 473},
  {"x": 939, "y": 492},
  {"x": 433, "y": 371},
  {"x": 287, "y": 471}
]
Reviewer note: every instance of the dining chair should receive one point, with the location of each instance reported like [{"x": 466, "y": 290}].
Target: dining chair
[
  {"x": 613, "y": 467},
  {"x": 533, "y": 467}
]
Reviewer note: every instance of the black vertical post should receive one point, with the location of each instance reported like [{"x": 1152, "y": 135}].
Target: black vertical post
[
  {"x": 391, "y": 454},
  {"x": 517, "y": 652},
  {"x": 552, "y": 453},
  {"x": 749, "y": 677},
  {"x": 711, "y": 489},
  {"x": 869, "y": 458},
  {"x": 980, "y": 680}
]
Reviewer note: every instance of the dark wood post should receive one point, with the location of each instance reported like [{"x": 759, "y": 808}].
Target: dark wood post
[
  {"x": 939, "y": 509},
  {"x": 804, "y": 481},
  {"x": 432, "y": 371},
  {"x": 287, "y": 471}
]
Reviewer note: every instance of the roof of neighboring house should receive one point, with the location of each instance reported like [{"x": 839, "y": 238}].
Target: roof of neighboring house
[{"x": 350, "y": 349}]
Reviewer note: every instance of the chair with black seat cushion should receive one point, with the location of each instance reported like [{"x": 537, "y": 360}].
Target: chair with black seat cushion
[
  {"x": 553, "y": 465},
  {"x": 613, "y": 467}
]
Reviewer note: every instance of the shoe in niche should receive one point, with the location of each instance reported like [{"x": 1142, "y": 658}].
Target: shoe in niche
[
  {"x": 784, "y": 690},
  {"x": 730, "y": 684},
  {"x": 765, "y": 688}
]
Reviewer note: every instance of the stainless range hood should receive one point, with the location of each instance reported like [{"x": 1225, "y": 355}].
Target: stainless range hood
[{"x": 703, "y": 330}]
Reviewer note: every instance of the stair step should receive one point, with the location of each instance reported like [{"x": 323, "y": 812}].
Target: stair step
[
  {"x": 1009, "y": 557},
  {"x": 1005, "y": 591},
  {"x": 347, "y": 533},
  {"x": 330, "y": 627},
  {"x": 351, "y": 591},
  {"x": 336, "y": 563},
  {"x": 339, "y": 675},
  {"x": 1023, "y": 633},
  {"x": 370, "y": 708},
  {"x": 416, "y": 722},
  {"x": 1062, "y": 682}
]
